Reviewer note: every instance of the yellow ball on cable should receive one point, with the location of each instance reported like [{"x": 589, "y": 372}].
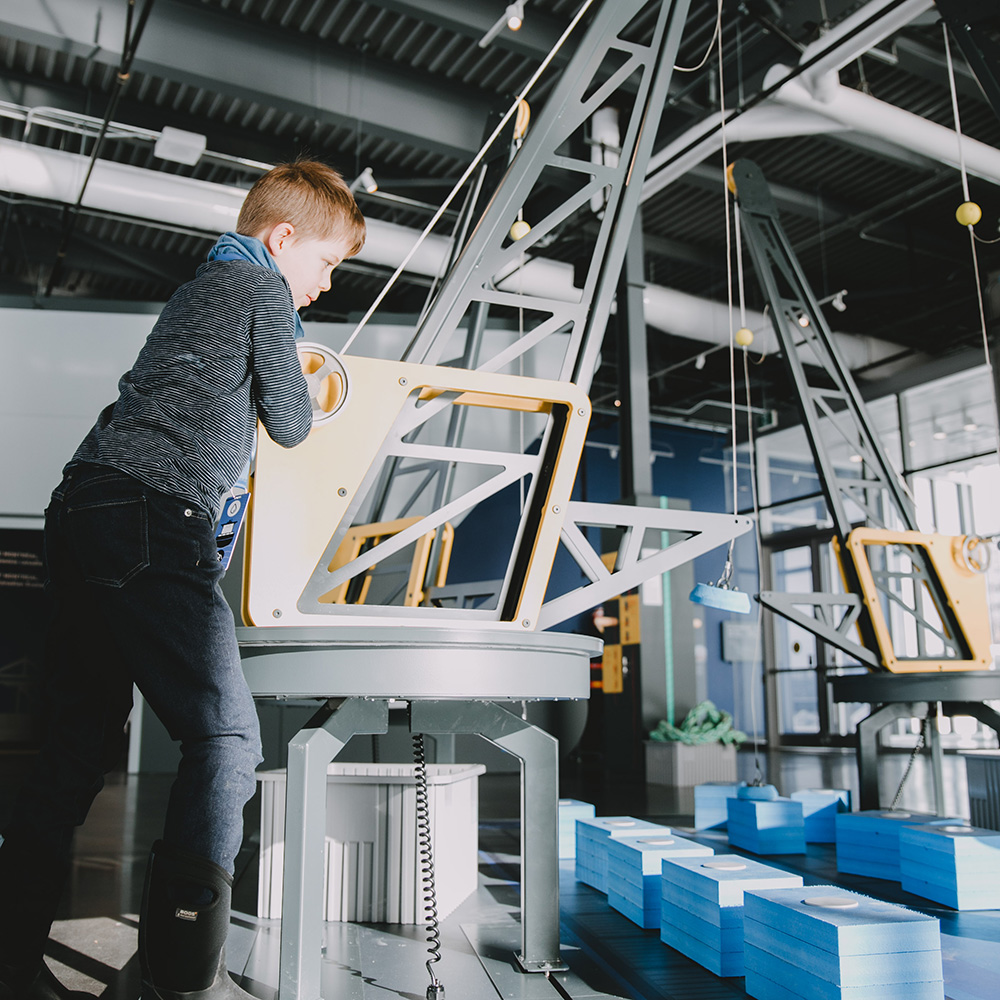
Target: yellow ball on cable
[
  {"x": 743, "y": 337},
  {"x": 968, "y": 213},
  {"x": 519, "y": 230}
]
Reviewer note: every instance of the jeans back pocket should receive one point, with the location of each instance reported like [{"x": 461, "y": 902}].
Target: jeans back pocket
[{"x": 110, "y": 538}]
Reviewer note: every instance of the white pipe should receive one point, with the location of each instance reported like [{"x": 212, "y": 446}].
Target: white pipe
[
  {"x": 849, "y": 108},
  {"x": 759, "y": 124},
  {"x": 37, "y": 172},
  {"x": 840, "y": 52}
]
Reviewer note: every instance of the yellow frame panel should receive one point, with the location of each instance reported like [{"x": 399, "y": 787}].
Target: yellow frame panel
[
  {"x": 350, "y": 548},
  {"x": 965, "y": 592},
  {"x": 300, "y": 495}
]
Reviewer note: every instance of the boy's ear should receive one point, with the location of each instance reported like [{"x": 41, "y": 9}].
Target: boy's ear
[{"x": 278, "y": 237}]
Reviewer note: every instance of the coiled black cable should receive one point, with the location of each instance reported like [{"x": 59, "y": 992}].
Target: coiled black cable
[{"x": 425, "y": 849}]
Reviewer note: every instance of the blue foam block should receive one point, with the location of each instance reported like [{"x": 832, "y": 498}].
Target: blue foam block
[
  {"x": 819, "y": 811},
  {"x": 729, "y": 938},
  {"x": 761, "y": 827},
  {"x": 762, "y": 988},
  {"x": 871, "y": 927},
  {"x": 723, "y": 879},
  {"x": 805, "y": 983},
  {"x": 710, "y": 803},
  {"x": 593, "y": 836},
  {"x": 645, "y": 854},
  {"x": 727, "y": 963},
  {"x": 840, "y": 969},
  {"x": 570, "y": 810},
  {"x": 956, "y": 840},
  {"x": 646, "y": 918},
  {"x": 879, "y": 821}
]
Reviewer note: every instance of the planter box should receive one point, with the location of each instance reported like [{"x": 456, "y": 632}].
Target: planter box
[{"x": 679, "y": 764}]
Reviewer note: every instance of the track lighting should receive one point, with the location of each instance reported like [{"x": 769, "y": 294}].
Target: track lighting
[
  {"x": 512, "y": 18},
  {"x": 366, "y": 180}
]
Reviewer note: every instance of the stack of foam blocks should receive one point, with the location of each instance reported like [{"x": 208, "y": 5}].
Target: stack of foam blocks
[
  {"x": 953, "y": 864},
  {"x": 593, "y": 837},
  {"x": 634, "y": 867},
  {"x": 570, "y": 810},
  {"x": 710, "y": 812},
  {"x": 868, "y": 841},
  {"x": 820, "y": 807},
  {"x": 762, "y": 822},
  {"x": 702, "y": 906},
  {"x": 824, "y": 941}
]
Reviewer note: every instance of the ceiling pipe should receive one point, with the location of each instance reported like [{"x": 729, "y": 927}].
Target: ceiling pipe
[
  {"x": 849, "y": 108},
  {"x": 822, "y": 105},
  {"x": 56, "y": 175}
]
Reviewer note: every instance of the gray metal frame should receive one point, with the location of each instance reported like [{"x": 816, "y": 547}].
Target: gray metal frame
[
  {"x": 828, "y": 399},
  {"x": 909, "y": 696}
]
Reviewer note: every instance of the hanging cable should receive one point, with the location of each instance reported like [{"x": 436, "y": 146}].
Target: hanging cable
[
  {"x": 425, "y": 849},
  {"x": 711, "y": 45},
  {"x": 974, "y": 217},
  {"x": 122, "y": 76},
  {"x": 466, "y": 174}
]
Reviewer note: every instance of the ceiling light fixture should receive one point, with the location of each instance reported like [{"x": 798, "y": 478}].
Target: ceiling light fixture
[
  {"x": 366, "y": 180},
  {"x": 968, "y": 424},
  {"x": 939, "y": 432},
  {"x": 178, "y": 146},
  {"x": 838, "y": 302},
  {"x": 512, "y": 18}
]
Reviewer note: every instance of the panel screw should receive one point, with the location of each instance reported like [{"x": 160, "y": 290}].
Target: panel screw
[
  {"x": 526, "y": 623},
  {"x": 582, "y": 412},
  {"x": 402, "y": 381},
  {"x": 555, "y": 508},
  {"x": 341, "y": 492},
  {"x": 276, "y": 613}
]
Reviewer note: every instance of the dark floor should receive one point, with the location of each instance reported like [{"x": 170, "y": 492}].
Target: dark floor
[{"x": 94, "y": 939}]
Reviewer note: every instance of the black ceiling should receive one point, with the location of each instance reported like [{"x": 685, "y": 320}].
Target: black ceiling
[{"x": 407, "y": 91}]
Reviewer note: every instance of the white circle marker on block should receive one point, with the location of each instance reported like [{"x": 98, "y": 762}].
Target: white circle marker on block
[
  {"x": 659, "y": 841},
  {"x": 620, "y": 822},
  {"x": 896, "y": 815},
  {"x": 831, "y": 902},
  {"x": 725, "y": 866}
]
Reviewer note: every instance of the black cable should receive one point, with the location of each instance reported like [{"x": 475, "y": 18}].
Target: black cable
[
  {"x": 122, "y": 75},
  {"x": 436, "y": 990}
]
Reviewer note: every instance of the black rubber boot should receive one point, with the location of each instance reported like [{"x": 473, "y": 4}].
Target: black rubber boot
[
  {"x": 183, "y": 926},
  {"x": 31, "y": 882}
]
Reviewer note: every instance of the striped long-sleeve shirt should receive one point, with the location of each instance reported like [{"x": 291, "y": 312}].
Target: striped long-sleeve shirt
[{"x": 221, "y": 355}]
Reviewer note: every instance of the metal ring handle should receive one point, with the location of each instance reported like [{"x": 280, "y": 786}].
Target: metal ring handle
[{"x": 326, "y": 376}]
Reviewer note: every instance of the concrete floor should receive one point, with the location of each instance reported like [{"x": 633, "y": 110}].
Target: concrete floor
[{"x": 93, "y": 942}]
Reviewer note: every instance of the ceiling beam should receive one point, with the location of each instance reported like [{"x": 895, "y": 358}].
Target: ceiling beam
[{"x": 284, "y": 70}]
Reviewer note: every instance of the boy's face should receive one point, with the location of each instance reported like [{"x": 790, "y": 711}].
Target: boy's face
[{"x": 306, "y": 263}]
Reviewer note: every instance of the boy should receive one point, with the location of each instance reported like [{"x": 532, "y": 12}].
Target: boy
[{"x": 133, "y": 582}]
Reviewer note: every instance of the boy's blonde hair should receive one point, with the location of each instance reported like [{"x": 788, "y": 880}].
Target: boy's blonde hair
[{"x": 313, "y": 197}]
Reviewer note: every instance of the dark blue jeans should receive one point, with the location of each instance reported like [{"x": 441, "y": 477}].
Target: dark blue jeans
[{"x": 133, "y": 578}]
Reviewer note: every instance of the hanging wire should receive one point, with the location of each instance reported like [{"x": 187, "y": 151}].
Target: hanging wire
[
  {"x": 711, "y": 45},
  {"x": 122, "y": 76},
  {"x": 741, "y": 290},
  {"x": 466, "y": 174},
  {"x": 972, "y": 233}
]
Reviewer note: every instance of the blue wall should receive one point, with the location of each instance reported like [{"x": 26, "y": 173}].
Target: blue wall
[{"x": 695, "y": 473}]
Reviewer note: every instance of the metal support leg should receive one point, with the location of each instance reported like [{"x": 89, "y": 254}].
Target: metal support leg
[
  {"x": 868, "y": 730},
  {"x": 309, "y": 753},
  {"x": 538, "y": 753},
  {"x": 937, "y": 763}
]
